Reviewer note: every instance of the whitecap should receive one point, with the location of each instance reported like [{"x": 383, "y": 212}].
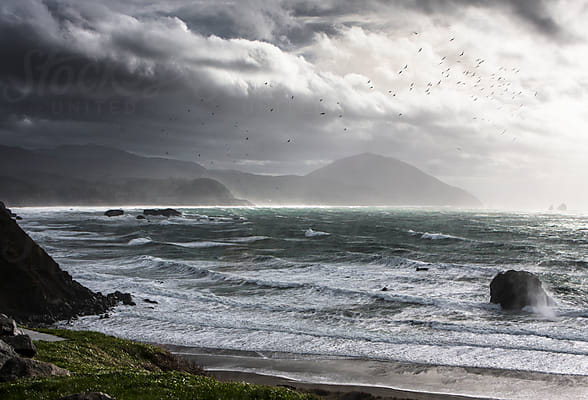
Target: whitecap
[
  {"x": 440, "y": 236},
  {"x": 201, "y": 244},
  {"x": 139, "y": 241},
  {"x": 312, "y": 233},
  {"x": 248, "y": 239}
]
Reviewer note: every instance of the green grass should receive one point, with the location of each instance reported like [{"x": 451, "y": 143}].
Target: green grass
[{"x": 127, "y": 371}]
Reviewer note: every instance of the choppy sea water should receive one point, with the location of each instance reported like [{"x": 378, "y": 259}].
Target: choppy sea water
[{"x": 309, "y": 281}]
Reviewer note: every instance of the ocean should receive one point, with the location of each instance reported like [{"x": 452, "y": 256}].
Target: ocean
[{"x": 309, "y": 281}]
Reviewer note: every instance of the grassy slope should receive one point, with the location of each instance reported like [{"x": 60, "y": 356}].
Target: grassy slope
[{"x": 127, "y": 371}]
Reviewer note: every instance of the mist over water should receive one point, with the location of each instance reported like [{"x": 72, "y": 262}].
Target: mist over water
[{"x": 311, "y": 280}]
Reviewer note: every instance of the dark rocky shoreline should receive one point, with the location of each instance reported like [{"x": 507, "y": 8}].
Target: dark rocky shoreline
[{"x": 34, "y": 290}]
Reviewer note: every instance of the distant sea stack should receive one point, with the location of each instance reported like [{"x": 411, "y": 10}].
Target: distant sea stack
[{"x": 33, "y": 289}]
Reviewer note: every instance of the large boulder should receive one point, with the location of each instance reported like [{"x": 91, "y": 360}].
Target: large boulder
[
  {"x": 162, "y": 212},
  {"x": 33, "y": 288},
  {"x": 114, "y": 213},
  {"x": 22, "y": 344},
  {"x": 6, "y": 353},
  {"x": 18, "y": 368},
  {"x": 116, "y": 297},
  {"x": 514, "y": 290}
]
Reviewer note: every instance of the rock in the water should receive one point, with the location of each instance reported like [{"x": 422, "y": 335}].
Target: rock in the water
[
  {"x": 124, "y": 298},
  {"x": 17, "y": 368},
  {"x": 114, "y": 213},
  {"x": 88, "y": 396},
  {"x": 140, "y": 216},
  {"x": 167, "y": 212},
  {"x": 33, "y": 289},
  {"x": 562, "y": 207},
  {"x": 150, "y": 301},
  {"x": 22, "y": 344},
  {"x": 7, "y": 326},
  {"x": 514, "y": 290}
]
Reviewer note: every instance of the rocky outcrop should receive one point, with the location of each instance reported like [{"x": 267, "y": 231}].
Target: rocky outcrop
[
  {"x": 33, "y": 289},
  {"x": 22, "y": 344},
  {"x": 514, "y": 290},
  {"x": 19, "y": 368},
  {"x": 16, "y": 351},
  {"x": 7, "y": 326},
  {"x": 6, "y": 352},
  {"x": 162, "y": 212},
  {"x": 116, "y": 297},
  {"x": 114, "y": 213},
  {"x": 7, "y": 211}
]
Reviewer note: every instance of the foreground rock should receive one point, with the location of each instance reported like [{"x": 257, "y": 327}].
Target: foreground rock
[
  {"x": 7, "y": 326},
  {"x": 19, "y": 368},
  {"x": 514, "y": 290},
  {"x": 162, "y": 212},
  {"x": 15, "y": 345},
  {"x": 114, "y": 213},
  {"x": 33, "y": 289},
  {"x": 6, "y": 353},
  {"x": 22, "y": 344}
]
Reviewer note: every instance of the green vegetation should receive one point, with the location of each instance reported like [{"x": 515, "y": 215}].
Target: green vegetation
[{"x": 127, "y": 371}]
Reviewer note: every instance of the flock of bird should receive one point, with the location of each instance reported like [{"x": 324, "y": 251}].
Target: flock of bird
[{"x": 455, "y": 70}]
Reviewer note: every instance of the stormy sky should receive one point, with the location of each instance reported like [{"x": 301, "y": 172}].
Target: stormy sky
[{"x": 490, "y": 96}]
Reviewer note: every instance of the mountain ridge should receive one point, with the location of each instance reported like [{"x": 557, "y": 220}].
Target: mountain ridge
[{"x": 100, "y": 171}]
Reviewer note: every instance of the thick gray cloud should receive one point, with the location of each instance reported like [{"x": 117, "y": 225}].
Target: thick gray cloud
[{"x": 286, "y": 86}]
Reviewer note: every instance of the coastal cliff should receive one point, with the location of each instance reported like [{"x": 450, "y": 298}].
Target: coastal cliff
[{"x": 34, "y": 289}]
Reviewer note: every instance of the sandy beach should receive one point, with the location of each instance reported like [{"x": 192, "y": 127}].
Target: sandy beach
[{"x": 348, "y": 378}]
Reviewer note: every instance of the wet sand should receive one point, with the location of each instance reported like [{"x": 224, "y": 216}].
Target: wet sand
[{"x": 358, "y": 379}]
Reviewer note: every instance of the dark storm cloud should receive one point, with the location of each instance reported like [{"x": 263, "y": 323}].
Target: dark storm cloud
[{"x": 534, "y": 12}]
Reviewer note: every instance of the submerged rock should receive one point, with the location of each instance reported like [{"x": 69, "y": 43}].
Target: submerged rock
[
  {"x": 114, "y": 213},
  {"x": 514, "y": 290},
  {"x": 162, "y": 212},
  {"x": 140, "y": 216}
]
